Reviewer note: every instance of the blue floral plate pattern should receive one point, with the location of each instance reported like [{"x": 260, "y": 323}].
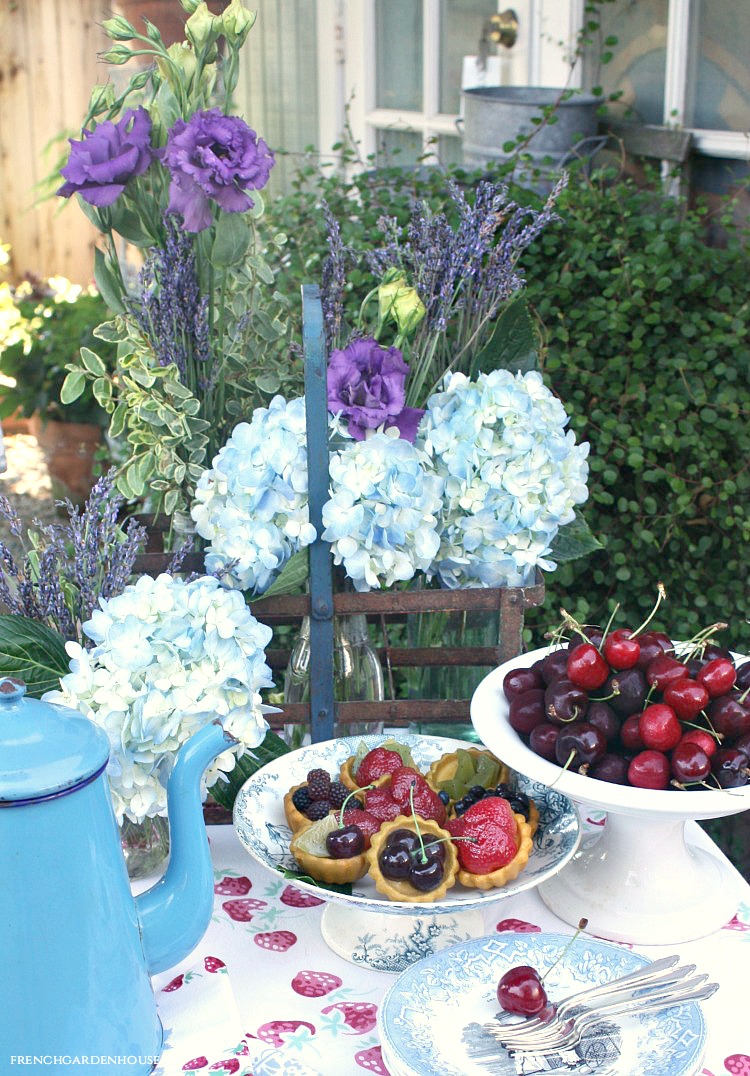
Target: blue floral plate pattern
[
  {"x": 432, "y": 1018},
  {"x": 262, "y": 828}
]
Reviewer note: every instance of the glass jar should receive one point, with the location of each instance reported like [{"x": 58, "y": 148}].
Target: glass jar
[
  {"x": 145, "y": 845},
  {"x": 357, "y": 674}
]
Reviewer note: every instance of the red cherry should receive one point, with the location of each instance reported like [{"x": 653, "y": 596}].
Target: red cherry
[
  {"x": 653, "y": 643},
  {"x": 665, "y": 670},
  {"x": 689, "y": 763},
  {"x": 729, "y": 717},
  {"x": 630, "y": 735},
  {"x": 686, "y": 697},
  {"x": 519, "y": 680},
  {"x": 620, "y": 650},
  {"x": 717, "y": 676},
  {"x": 521, "y": 991},
  {"x": 659, "y": 727},
  {"x": 586, "y": 668},
  {"x": 649, "y": 769},
  {"x": 526, "y": 711},
  {"x": 703, "y": 739}
]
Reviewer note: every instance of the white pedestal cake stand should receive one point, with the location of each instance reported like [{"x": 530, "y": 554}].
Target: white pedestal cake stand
[{"x": 642, "y": 880}]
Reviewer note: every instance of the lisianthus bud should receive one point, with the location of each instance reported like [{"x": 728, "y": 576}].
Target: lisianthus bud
[
  {"x": 236, "y": 23},
  {"x": 182, "y": 56},
  {"x": 398, "y": 300},
  {"x": 102, "y": 98},
  {"x": 118, "y": 54},
  {"x": 202, "y": 28},
  {"x": 119, "y": 29}
]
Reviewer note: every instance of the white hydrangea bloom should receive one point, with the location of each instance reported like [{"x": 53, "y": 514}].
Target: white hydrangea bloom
[
  {"x": 169, "y": 657},
  {"x": 251, "y": 505},
  {"x": 381, "y": 519},
  {"x": 513, "y": 476}
]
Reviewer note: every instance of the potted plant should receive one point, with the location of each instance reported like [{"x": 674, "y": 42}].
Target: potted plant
[{"x": 61, "y": 318}]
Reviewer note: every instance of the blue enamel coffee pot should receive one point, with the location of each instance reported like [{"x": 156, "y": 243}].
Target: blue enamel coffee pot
[{"x": 76, "y": 949}]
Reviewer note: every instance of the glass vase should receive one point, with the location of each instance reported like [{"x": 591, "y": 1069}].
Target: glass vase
[
  {"x": 357, "y": 675},
  {"x": 444, "y": 681},
  {"x": 145, "y": 845}
]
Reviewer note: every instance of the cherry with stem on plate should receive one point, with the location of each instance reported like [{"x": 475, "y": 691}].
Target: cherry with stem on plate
[{"x": 521, "y": 989}]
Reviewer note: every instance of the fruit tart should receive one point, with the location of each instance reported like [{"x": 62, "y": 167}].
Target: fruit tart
[
  {"x": 313, "y": 799},
  {"x": 493, "y": 844},
  {"x": 374, "y": 766},
  {"x": 330, "y": 852},
  {"x": 464, "y": 769},
  {"x": 412, "y": 859}
]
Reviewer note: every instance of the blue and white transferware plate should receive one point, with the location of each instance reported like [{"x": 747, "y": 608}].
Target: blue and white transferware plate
[
  {"x": 432, "y": 1018},
  {"x": 262, "y": 828}
]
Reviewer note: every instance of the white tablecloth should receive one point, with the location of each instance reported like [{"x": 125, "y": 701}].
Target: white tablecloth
[{"x": 263, "y": 994}]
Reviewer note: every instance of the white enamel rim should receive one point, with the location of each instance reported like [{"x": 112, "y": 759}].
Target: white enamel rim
[{"x": 489, "y": 715}]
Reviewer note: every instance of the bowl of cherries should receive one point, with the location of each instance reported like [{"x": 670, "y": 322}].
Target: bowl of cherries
[{"x": 654, "y": 732}]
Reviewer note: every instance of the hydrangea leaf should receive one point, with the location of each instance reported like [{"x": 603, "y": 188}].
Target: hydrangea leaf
[
  {"x": 574, "y": 540},
  {"x": 224, "y": 792},
  {"x": 513, "y": 344},
  {"x": 31, "y": 652},
  {"x": 292, "y": 576}
]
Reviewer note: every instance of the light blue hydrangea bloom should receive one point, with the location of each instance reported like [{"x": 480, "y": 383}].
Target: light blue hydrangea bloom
[
  {"x": 381, "y": 519},
  {"x": 169, "y": 656},
  {"x": 251, "y": 505},
  {"x": 512, "y": 476}
]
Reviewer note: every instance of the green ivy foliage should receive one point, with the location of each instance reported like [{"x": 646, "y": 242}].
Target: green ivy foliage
[{"x": 646, "y": 332}]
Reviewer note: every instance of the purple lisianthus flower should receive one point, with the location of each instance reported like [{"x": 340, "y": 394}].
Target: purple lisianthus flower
[
  {"x": 102, "y": 162},
  {"x": 366, "y": 384},
  {"x": 214, "y": 157}
]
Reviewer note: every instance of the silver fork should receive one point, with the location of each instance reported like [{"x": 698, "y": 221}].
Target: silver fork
[
  {"x": 652, "y": 977},
  {"x": 569, "y": 1032}
]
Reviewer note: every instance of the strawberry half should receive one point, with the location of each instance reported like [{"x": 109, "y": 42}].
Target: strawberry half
[
  {"x": 377, "y": 763},
  {"x": 365, "y": 821},
  {"x": 492, "y": 827},
  {"x": 380, "y": 802},
  {"x": 408, "y": 787}
]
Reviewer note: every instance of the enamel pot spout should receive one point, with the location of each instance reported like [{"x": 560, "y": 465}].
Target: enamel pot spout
[{"x": 174, "y": 914}]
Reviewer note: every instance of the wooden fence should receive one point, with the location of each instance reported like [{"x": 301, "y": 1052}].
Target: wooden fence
[{"x": 48, "y": 67}]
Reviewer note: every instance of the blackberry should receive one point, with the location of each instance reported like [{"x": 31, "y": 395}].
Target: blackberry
[
  {"x": 318, "y": 809},
  {"x": 301, "y": 798},
  {"x": 519, "y": 804},
  {"x": 318, "y": 784},
  {"x": 338, "y": 793}
]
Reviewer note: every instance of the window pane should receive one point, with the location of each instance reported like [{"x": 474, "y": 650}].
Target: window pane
[
  {"x": 638, "y": 61},
  {"x": 450, "y": 150},
  {"x": 398, "y": 43},
  {"x": 719, "y": 89},
  {"x": 403, "y": 148},
  {"x": 461, "y": 23}
]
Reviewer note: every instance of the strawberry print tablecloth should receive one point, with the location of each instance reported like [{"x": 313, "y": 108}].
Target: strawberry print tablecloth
[{"x": 263, "y": 995}]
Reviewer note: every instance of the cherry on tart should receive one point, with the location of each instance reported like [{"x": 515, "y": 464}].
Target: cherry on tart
[
  {"x": 399, "y": 867},
  {"x": 309, "y": 846}
]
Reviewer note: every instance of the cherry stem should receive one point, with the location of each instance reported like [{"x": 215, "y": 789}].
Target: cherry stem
[
  {"x": 354, "y": 793},
  {"x": 701, "y": 639},
  {"x": 609, "y": 625},
  {"x": 416, "y": 823},
  {"x": 571, "y": 622},
  {"x": 582, "y": 924},
  {"x": 568, "y": 761},
  {"x": 710, "y": 731},
  {"x": 661, "y": 595}
]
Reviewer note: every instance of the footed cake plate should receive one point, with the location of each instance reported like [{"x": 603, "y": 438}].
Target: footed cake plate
[{"x": 364, "y": 926}]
